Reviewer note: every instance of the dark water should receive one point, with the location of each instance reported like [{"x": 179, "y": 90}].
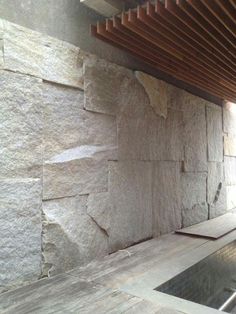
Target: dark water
[{"x": 209, "y": 282}]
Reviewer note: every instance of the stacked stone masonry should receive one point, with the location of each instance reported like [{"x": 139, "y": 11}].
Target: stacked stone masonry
[{"x": 96, "y": 157}]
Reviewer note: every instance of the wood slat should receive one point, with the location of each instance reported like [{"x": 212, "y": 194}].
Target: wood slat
[
  {"x": 169, "y": 68},
  {"x": 191, "y": 40},
  {"x": 205, "y": 13},
  {"x": 200, "y": 44},
  {"x": 180, "y": 14},
  {"x": 221, "y": 15}
]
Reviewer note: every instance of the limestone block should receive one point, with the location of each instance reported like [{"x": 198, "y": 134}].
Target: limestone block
[
  {"x": 102, "y": 83},
  {"x": 194, "y": 205},
  {"x": 33, "y": 53},
  {"x": 216, "y": 189},
  {"x": 20, "y": 229},
  {"x": 231, "y": 196},
  {"x": 229, "y": 118},
  {"x": 82, "y": 175},
  {"x": 150, "y": 137},
  {"x": 21, "y": 125},
  {"x": 230, "y": 145},
  {"x": 230, "y": 170},
  {"x": 157, "y": 92},
  {"x": 214, "y": 133},
  {"x": 70, "y": 130},
  {"x": 166, "y": 197},
  {"x": 194, "y": 133},
  {"x": 70, "y": 237},
  {"x": 99, "y": 209},
  {"x": 130, "y": 188}
]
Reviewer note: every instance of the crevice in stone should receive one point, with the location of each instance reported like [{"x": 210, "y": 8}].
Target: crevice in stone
[
  {"x": 104, "y": 231},
  {"x": 62, "y": 85},
  {"x": 217, "y": 195}
]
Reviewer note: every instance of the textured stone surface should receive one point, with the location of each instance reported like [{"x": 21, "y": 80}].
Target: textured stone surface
[
  {"x": 230, "y": 145},
  {"x": 216, "y": 189},
  {"x": 30, "y": 52},
  {"x": 70, "y": 237},
  {"x": 1, "y": 50},
  {"x": 71, "y": 130},
  {"x": 157, "y": 92},
  {"x": 194, "y": 133},
  {"x": 230, "y": 170},
  {"x": 77, "y": 145},
  {"x": 194, "y": 205},
  {"x": 20, "y": 231},
  {"x": 79, "y": 176},
  {"x": 214, "y": 133},
  {"x": 229, "y": 118},
  {"x": 174, "y": 99},
  {"x": 231, "y": 196},
  {"x": 142, "y": 135},
  {"x": 130, "y": 187},
  {"x": 166, "y": 197},
  {"x": 102, "y": 83},
  {"x": 99, "y": 209},
  {"x": 21, "y": 125}
]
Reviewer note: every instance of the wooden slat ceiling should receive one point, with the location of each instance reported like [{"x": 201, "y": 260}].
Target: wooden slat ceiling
[{"x": 191, "y": 40}]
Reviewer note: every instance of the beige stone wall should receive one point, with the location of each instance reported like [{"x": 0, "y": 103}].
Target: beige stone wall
[{"x": 95, "y": 157}]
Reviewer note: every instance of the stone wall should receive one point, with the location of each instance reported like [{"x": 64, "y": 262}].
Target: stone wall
[{"x": 96, "y": 157}]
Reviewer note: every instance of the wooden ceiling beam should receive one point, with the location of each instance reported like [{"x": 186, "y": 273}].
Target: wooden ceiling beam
[{"x": 180, "y": 38}]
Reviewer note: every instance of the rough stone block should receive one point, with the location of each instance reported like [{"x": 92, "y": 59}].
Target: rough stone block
[
  {"x": 71, "y": 131},
  {"x": 230, "y": 145},
  {"x": 230, "y": 170},
  {"x": 33, "y": 53},
  {"x": 102, "y": 83},
  {"x": 1, "y": 51},
  {"x": 166, "y": 197},
  {"x": 157, "y": 92},
  {"x": 79, "y": 176},
  {"x": 20, "y": 230},
  {"x": 70, "y": 236},
  {"x": 21, "y": 125},
  {"x": 214, "y": 133},
  {"x": 130, "y": 187},
  {"x": 99, "y": 209},
  {"x": 151, "y": 137},
  {"x": 194, "y": 133},
  {"x": 216, "y": 189},
  {"x": 231, "y": 196},
  {"x": 229, "y": 118},
  {"x": 194, "y": 202}
]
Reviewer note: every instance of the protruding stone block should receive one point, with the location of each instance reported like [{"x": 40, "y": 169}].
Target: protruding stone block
[
  {"x": 229, "y": 118},
  {"x": 70, "y": 236},
  {"x": 156, "y": 91},
  {"x": 142, "y": 134},
  {"x": 33, "y": 53},
  {"x": 102, "y": 84},
  {"x": 194, "y": 133},
  {"x": 166, "y": 197},
  {"x": 130, "y": 187},
  {"x": 231, "y": 197},
  {"x": 194, "y": 202},
  {"x": 20, "y": 231},
  {"x": 214, "y": 133},
  {"x": 21, "y": 125},
  {"x": 230, "y": 145},
  {"x": 230, "y": 170}
]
